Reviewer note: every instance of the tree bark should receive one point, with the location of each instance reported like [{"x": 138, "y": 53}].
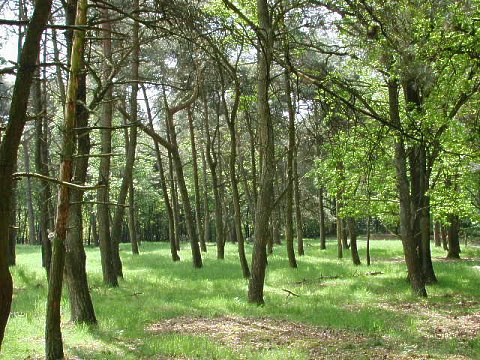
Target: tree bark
[
  {"x": 10, "y": 143},
  {"x": 339, "y": 229},
  {"x": 298, "y": 208},
  {"x": 53, "y": 335},
  {"x": 453, "y": 237},
  {"x": 322, "y": 220},
  {"x": 352, "y": 229},
  {"x": 266, "y": 144},
  {"x": 409, "y": 242},
  {"x": 111, "y": 264},
  {"x": 198, "y": 219},
  {"x": 30, "y": 213}
]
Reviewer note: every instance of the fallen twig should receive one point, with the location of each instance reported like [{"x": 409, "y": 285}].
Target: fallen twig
[{"x": 290, "y": 293}]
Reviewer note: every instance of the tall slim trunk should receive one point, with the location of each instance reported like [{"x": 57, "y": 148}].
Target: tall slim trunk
[
  {"x": 290, "y": 174},
  {"x": 53, "y": 335},
  {"x": 409, "y": 242},
  {"x": 10, "y": 143},
  {"x": 212, "y": 160},
  {"x": 198, "y": 219},
  {"x": 339, "y": 229},
  {"x": 321, "y": 210},
  {"x": 298, "y": 208},
  {"x": 81, "y": 307},
  {"x": 30, "y": 213},
  {"x": 206, "y": 209},
  {"x": 352, "y": 229},
  {"x": 132, "y": 228},
  {"x": 437, "y": 236},
  {"x": 267, "y": 152},
  {"x": 175, "y": 205},
  {"x": 111, "y": 267},
  {"x": 369, "y": 222},
  {"x": 444, "y": 233},
  {"x": 163, "y": 184},
  {"x": 237, "y": 216}
]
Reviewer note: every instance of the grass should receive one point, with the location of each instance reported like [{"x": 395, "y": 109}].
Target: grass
[{"x": 379, "y": 308}]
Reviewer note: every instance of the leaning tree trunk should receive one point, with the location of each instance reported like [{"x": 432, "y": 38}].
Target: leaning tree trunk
[
  {"x": 53, "y": 335},
  {"x": 10, "y": 143},
  {"x": 163, "y": 184},
  {"x": 267, "y": 152}
]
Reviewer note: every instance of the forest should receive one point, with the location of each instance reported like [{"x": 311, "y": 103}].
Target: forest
[{"x": 235, "y": 179}]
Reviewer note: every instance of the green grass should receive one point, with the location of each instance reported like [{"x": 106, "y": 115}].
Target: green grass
[{"x": 154, "y": 288}]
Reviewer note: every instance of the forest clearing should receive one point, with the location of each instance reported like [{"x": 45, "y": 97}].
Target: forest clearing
[
  {"x": 165, "y": 310},
  {"x": 242, "y": 179}
]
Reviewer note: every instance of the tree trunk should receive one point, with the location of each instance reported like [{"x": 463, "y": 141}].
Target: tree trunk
[
  {"x": 163, "y": 184},
  {"x": 132, "y": 224},
  {"x": 322, "y": 221},
  {"x": 198, "y": 220},
  {"x": 206, "y": 210},
  {"x": 111, "y": 265},
  {"x": 53, "y": 335},
  {"x": 339, "y": 229},
  {"x": 267, "y": 152},
  {"x": 437, "y": 236},
  {"x": 175, "y": 206},
  {"x": 444, "y": 233},
  {"x": 369, "y": 222},
  {"x": 10, "y": 143},
  {"x": 352, "y": 229},
  {"x": 298, "y": 209},
  {"x": 212, "y": 160},
  {"x": 290, "y": 174},
  {"x": 409, "y": 242},
  {"x": 30, "y": 214},
  {"x": 453, "y": 237}
]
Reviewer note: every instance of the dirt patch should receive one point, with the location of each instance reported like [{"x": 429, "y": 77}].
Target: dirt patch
[
  {"x": 264, "y": 334},
  {"x": 457, "y": 320}
]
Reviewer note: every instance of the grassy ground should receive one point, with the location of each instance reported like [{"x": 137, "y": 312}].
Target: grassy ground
[{"x": 168, "y": 310}]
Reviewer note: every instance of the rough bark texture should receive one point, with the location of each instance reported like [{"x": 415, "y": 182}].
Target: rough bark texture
[
  {"x": 53, "y": 335},
  {"x": 111, "y": 264},
  {"x": 408, "y": 239},
  {"x": 266, "y": 144},
  {"x": 10, "y": 143}
]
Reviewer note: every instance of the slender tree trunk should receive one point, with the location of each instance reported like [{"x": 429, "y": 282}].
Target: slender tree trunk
[
  {"x": 10, "y": 143},
  {"x": 30, "y": 214},
  {"x": 339, "y": 229},
  {"x": 298, "y": 209},
  {"x": 163, "y": 184},
  {"x": 266, "y": 144},
  {"x": 322, "y": 221},
  {"x": 205, "y": 199},
  {"x": 437, "y": 236},
  {"x": 111, "y": 266},
  {"x": 212, "y": 160},
  {"x": 290, "y": 174},
  {"x": 453, "y": 237},
  {"x": 369, "y": 221},
  {"x": 198, "y": 219},
  {"x": 132, "y": 226},
  {"x": 237, "y": 217},
  {"x": 352, "y": 229},
  {"x": 53, "y": 335},
  {"x": 175, "y": 205}
]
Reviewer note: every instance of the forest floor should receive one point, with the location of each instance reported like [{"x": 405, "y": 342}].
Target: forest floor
[{"x": 325, "y": 309}]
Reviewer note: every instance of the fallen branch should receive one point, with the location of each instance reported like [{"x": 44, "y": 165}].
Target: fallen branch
[
  {"x": 290, "y": 293},
  {"x": 56, "y": 181},
  {"x": 373, "y": 273}
]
